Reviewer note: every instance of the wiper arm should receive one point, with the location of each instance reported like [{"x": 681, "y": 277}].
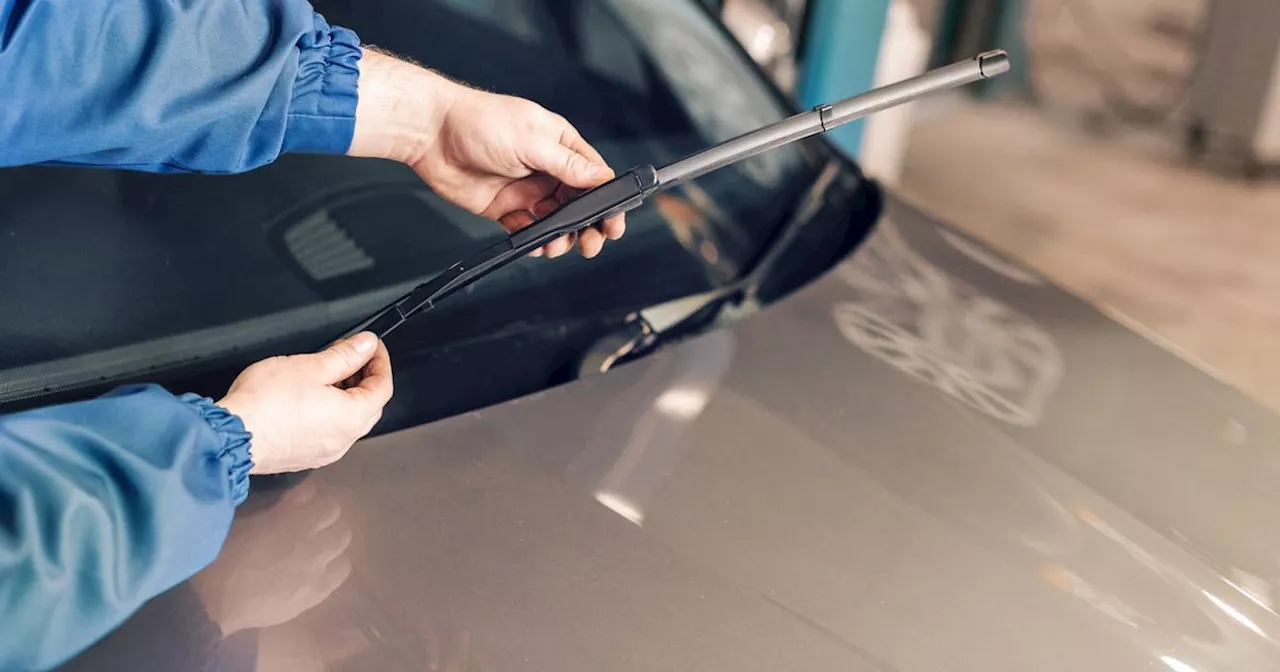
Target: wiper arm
[{"x": 628, "y": 191}]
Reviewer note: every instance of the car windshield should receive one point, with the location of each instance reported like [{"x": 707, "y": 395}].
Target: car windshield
[{"x": 111, "y": 275}]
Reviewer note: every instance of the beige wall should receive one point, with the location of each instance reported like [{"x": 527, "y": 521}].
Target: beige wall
[{"x": 1074, "y": 43}]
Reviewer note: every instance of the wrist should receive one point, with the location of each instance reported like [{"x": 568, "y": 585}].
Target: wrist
[
  {"x": 243, "y": 410},
  {"x": 401, "y": 108},
  {"x": 233, "y": 439}
]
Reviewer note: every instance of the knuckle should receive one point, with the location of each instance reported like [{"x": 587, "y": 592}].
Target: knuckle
[
  {"x": 573, "y": 162},
  {"x": 344, "y": 355},
  {"x": 535, "y": 116}
]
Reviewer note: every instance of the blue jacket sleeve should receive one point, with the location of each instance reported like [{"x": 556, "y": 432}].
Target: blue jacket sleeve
[
  {"x": 208, "y": 86},
  {"x": 105, "y": 504}
]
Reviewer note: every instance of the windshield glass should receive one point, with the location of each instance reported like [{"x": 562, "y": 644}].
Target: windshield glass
[{"x": 106, "y": 275}]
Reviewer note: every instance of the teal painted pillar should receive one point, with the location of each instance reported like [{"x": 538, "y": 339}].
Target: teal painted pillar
[
  {"x": 1009, "y": 38},
  {"x": 842, "y": 45}
]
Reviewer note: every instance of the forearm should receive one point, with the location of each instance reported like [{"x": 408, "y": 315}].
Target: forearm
[
  {"x": 201, "y": 85},
  {"x": 401, "y": 108},
  {"x": 114, "y": 501}
]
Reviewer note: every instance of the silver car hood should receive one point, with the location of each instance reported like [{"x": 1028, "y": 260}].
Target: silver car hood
[{"x": 929, "y": 459}]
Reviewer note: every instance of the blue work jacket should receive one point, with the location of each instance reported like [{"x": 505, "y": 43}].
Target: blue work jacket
[{"x": 106, "y": 503}]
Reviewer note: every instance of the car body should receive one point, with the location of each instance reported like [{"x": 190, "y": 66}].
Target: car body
[{"x": 857, "y": 439}]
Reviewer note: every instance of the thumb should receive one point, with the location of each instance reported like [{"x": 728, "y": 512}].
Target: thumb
[
  {"x": 344, "y": 358},
  {"x": 570, "y": 167}
]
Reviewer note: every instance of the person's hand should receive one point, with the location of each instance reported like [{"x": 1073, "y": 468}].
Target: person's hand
[
  {"x": 305, "y": 411},
  {"x": 511, "y": 160},
  {"x": 501, "y": 157},
  {"x": 278, "y": 563}
]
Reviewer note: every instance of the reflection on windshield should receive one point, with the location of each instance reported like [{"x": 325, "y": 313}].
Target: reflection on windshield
[
  {"x": 698, "y": 63},
  {"x": 516, "y": 18},
  {"x": 691, "y": 226}
]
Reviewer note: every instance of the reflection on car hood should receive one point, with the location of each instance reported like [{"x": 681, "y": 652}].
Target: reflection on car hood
[{"x": 920, "y": 462}]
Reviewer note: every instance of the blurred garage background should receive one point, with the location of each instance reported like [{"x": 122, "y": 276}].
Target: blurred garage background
[{"x": 1130, "y": 156}]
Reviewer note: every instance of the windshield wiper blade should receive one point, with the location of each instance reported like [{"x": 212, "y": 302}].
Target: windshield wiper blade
[
  {"x": 629, "y": 190},
  {"x": 617, "y": 195}
]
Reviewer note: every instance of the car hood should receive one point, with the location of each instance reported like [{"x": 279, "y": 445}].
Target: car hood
[{"x": 928, "y": 459}]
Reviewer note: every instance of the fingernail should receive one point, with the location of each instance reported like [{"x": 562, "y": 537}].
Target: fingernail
[
  {"x": 599, "y": 171},
  {"x": 364, "y": 342}
]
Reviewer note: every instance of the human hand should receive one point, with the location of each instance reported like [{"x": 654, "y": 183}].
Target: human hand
[
  {"x": 278, "y": 563},
  {"x": 291, "y": 648},
  {"x": 501, "y": 157},
  {"x": 305, "y": 411}
]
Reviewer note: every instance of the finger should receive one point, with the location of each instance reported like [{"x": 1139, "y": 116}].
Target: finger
[
  {"x": 516, "y": 220},
  {"x": 349, "y": 382},
  {"x": 545, "y": 207},
  {"x": 376, "y": 386},
  {"x": 321, "y": 518},
  {"x": 560, "y": 246},
  {"x": 342, "y": 360},
  {"x": 330, "y": 545},
  {"x": 574, "y": 140},
  {"x": 460, "y": 661},
  {"x": 334, "y": 576},
  {"x": 590, "y": 242},
  {"x": 521, "y": 195},
  {"x": 566, "y": 241},
  {"x": 614, "y": 227},
  {"x": 568, "y": 165},
  {"x": 565, "y": 193},
  {"x": 379, "y": 364}
]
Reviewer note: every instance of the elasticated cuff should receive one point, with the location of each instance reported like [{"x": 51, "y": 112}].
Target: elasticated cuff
[
  {"x": 235, "y": 453},
  {"x": 322, "y": 114}
]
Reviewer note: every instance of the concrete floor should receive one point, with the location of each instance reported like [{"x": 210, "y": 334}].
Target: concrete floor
[{"x": 1185, "y": 256}]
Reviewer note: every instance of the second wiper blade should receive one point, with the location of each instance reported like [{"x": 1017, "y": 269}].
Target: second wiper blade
[{"x": 628, "y": 191}]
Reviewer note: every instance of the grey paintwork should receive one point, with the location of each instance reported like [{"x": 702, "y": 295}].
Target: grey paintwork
[{"x": 922, "y": 461}]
